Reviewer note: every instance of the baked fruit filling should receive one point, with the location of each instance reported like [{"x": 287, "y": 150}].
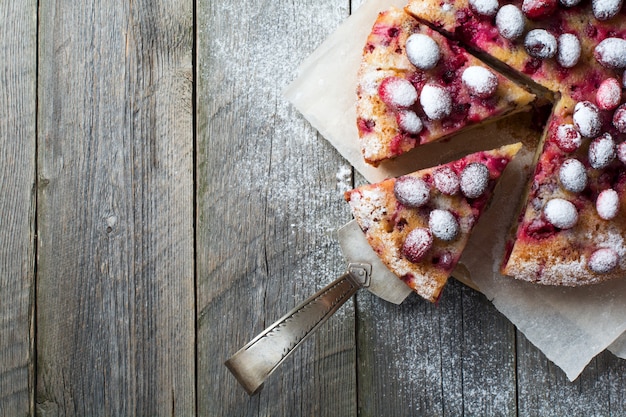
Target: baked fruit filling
[{"x": 418, "y": 84}]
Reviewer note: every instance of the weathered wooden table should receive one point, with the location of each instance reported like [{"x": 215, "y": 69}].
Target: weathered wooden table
[{"x": 161, "y": 203}]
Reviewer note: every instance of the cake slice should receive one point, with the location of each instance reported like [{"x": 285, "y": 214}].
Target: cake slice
[
  {"x": 415, "y": 86},
  {"x": 419, "y": 223}
]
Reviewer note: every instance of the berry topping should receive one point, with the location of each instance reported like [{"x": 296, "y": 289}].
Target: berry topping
[
  {"x": 484, "y": 7},
  {"x": 540, "y": 44},
  {"x": 587, "y": 119},
  {"x": 416, "y": 244},
  {"x": 602, "y": 151},
  {"x": 621, "y": 152},
  {"x": 397, "y": 92},
  {"x": 619, "y": 118},
  {"x": 609, "y": 94},
  {"x": 567, "y": 138},
  {"x": 568, "y": 46},
  {"x": 474, "y": 180},
  {"x": 603, "y": 260},
  {"x": 538, "y": 9},
  {"x": 573, "y": 175},
  {"x": 611, "y": 53},
  {"x": 605, "y": 9},
  {"x": 409, "y": 122},
  {"x": 607, "y": 204},
  {"x": 446, "y": 180},
  {"x": 411, "y": 191},
  {"x": 435, "y": 101},
  {"x": 480, "y": 81},
  {"x": 561, "y": 213},
  {"x": 570, "y": 3},
  {"x": 510, "y": 22},
  {"x": 422, "y": 51},
  {"x": 443, "y": 225}
]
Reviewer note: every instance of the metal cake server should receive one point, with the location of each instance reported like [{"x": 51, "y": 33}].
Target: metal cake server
[{"x": 253, "y": 363}]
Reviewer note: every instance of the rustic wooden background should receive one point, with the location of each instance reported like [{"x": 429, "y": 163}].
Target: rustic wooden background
[{"x": 161, "y": 203}]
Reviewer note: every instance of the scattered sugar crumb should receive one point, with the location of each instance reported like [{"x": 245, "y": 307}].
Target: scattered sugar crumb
[{"x": 344, "y": 179}]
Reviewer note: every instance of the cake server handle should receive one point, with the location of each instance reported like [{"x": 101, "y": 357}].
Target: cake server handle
[{"x": 256, "y": 361}]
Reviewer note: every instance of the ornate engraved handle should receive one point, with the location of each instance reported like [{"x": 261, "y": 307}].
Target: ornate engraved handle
[{"x": 253, "y": 363}]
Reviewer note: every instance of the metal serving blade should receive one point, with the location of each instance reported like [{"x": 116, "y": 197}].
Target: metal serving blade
[
  {"x": 253, "y": 363},
  {"x": 356, "y": 249}
]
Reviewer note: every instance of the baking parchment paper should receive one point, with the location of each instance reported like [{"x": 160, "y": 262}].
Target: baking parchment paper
[{"x": 569, "y": 325}]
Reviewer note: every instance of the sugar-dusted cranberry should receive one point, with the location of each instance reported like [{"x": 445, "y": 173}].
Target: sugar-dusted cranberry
[
  {"x": 510, "y": 22},
  {"x": 411, "y": 191},
  {"x": 573, "y": 175},
  {"x": 569, "y": 3},
  {"x": 474, "y": 180},
  {"x": 611, "y": 53},
  {"x": 409, "y": 122},
  {"x": 443, "y": 225},
  {"x": 538, "y": 9},
  {"x": 609, "y": 94},
  {"x": 602, "y": 151},
  {"x": 480, "y": 81},
  {"x": 605, "y": 9},
  {"x": 621, "y": 152},
  {"x": 422, "y": 51},
  {"x": 417, "y": 244},
  {"x": 444, "y": 260},
  {"x": 619, "y": 118},
  {"x": 561, "y": 213},
  {"x": 540, "y": 44},
  {"x": 569, "y": 49},
  {"x": 436, "y": 101},
  {"x": 487, "y": 8},
  {"x": 397, "y": 92},
  {"x": 603, "y": 261},
  {"x": 587, "y": 119},
  {"x": 446, "y": 180},
  {"x": 607, "y": 204},
  {"x": 567, "y": 138}
]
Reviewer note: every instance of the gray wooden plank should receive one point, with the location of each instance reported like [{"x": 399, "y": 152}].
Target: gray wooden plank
[
  {"x": 115, "y": 285},
  {"x": 18, "y": 54},
  {"x": 269, "y": 200},
  {"x": 544, "y": 390},
  {"x": 452, "y": 358}
]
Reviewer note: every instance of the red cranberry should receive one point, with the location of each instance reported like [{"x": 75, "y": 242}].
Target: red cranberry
[
  {"x": 619, "y": 118},
  {"x": 416, "y": 244},
  {"x": 538, "y": 9},
  {"x": 609, "y": 94}
]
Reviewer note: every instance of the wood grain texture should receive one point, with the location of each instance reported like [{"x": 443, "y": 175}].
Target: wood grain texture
[
  {"x": 115, "y": 307},
  {"x": 18, "y": 55},
  {"x": 269, "y": 201}
]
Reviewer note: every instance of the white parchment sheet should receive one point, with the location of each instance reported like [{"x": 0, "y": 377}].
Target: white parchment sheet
[{"x": 569, "y": 325}]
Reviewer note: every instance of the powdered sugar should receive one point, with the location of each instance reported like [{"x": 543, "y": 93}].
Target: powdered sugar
[
  {"x": 422, "y": 51},
  {"x": 587, "y": 119},
  {"x": 619, "y": 118},
  {"x": 573, "y": 175},
  {"x": 435, "y": 101},
  {"x": 344, "y": 179},
  {"x": 607, "y": 204},
  {"x": 561, "y": 213},
  {"x": 480, "y": 81},
  {"x": 570, "y": 3},
  {"x": 485, "y": 7},
  {"x": 602, "y": 151},
  {"x": 621, "y": 152},
  {"x": 567, "y": 138},
  {"x": 540, "y": 43},
  {"x": 443, "y": 225},
  {"x": 605, "y": 9},
  {"x": 409, "y": 122},
  {"x": 474, "y": 180},
  {"x": 446, "y": 180},
  {"x": 609, "y": 94},
  {"x": 416, "y": 244},
  {"x": 510, "y": 22},
  {"x": 569, "y": 50},
  {"x": 397, "y": 92},
  {"x": 603, "y": 260},
  {"x": 411, "y": 191},
  {"x": 611, "y": 53}
]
